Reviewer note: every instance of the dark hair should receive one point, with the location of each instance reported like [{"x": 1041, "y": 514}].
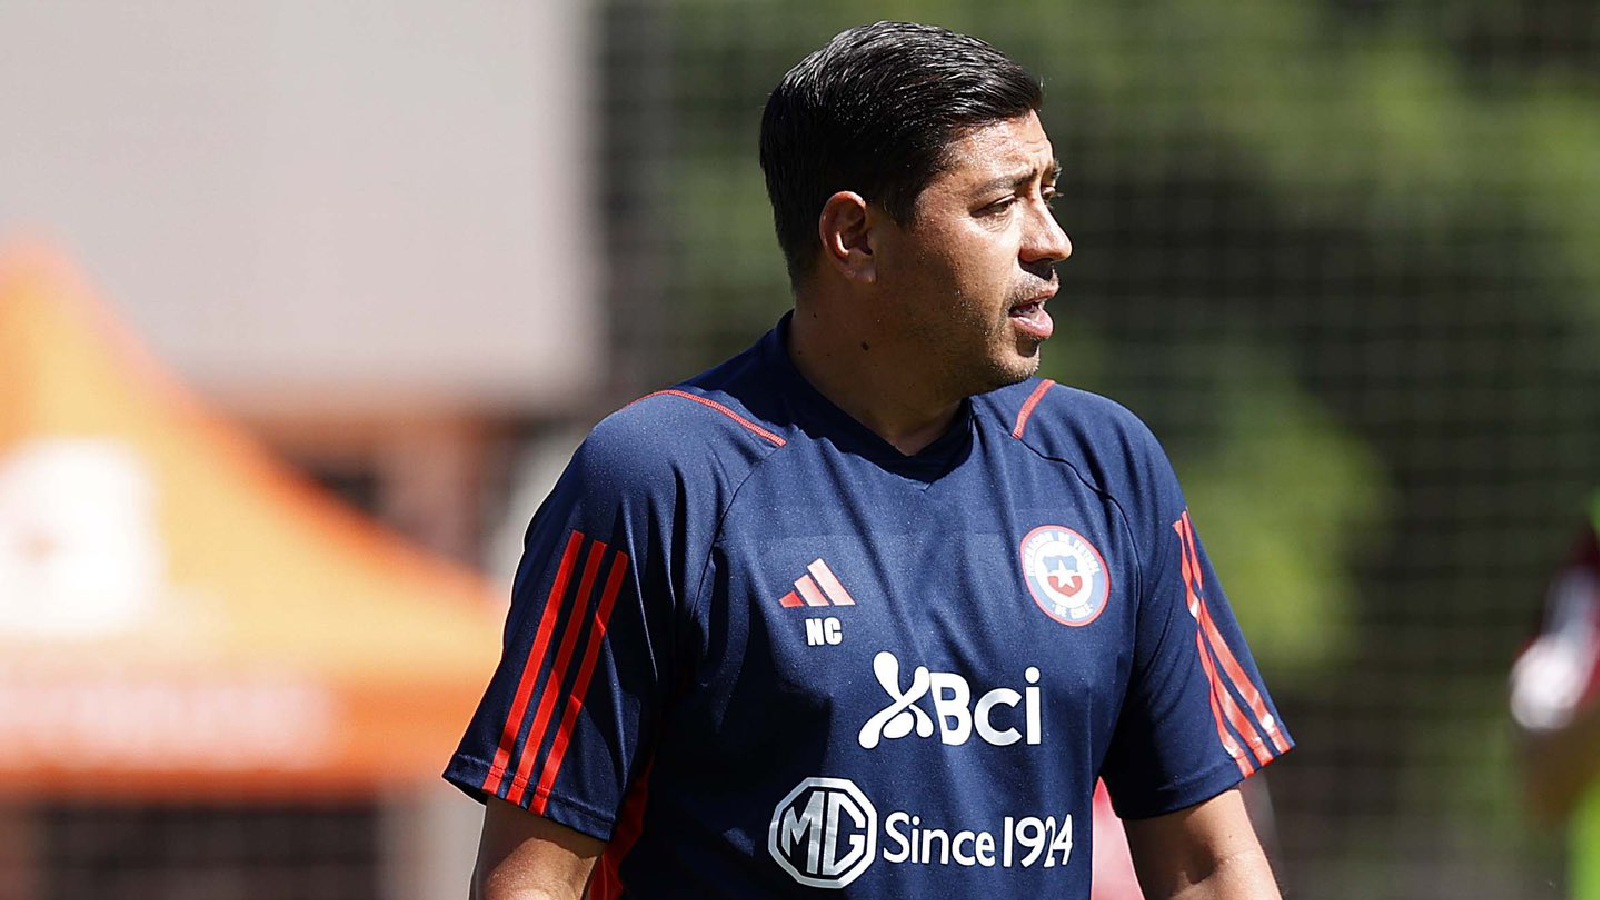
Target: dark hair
[{"x": 872, "y": 112}]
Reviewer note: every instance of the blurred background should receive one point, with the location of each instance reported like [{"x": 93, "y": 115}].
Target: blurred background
[{"x": 1342, "y": 255}]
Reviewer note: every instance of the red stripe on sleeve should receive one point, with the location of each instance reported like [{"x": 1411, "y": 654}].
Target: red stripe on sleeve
[
  {"x": 1028, "y": 407},
  {"x": 1194, "y": 552},
  {"x": 591, "y": 658},
  {"x": 1193, "y": 576},
  {"x": 531, "y": 667},
  {"x": 558, "y": 675},
  {"x": 1229, "y": 745},
  {"x": 1221, "y": 707},
  {"x": 1241, "y": 681},
  {"x": 1187, "y": 567},
  {"x": 607, "y": 882},
  {"x": 1222, "y": 702},
  {"x": 1230, "y": 708}
]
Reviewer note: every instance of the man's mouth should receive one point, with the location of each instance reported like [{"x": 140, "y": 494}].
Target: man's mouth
[{"x": 1031, "y": 320}]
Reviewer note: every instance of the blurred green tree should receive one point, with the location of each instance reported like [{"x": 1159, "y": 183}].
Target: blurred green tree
[{"x": 1342, "y": 256}]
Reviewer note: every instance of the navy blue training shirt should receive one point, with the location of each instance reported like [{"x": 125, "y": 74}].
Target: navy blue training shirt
[{"x": 764, "y": 654}]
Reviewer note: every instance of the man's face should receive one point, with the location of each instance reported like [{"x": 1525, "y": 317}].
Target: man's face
[{"x": 968, "y": 277}]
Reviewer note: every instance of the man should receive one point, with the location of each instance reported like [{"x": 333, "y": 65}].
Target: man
[
  {"x": 868, "y": 608},
  {"x": 1555, "y": 701}
]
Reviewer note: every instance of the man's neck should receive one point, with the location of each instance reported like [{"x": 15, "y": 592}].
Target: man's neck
[{"x": 869, "y": 382}]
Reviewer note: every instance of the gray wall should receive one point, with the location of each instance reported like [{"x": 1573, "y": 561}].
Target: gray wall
[{"x": 345, "y": 207}]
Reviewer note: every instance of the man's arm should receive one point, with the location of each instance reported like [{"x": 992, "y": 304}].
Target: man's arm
[
  {"x": 1206, "y": 852},
  {"x": 522, "y": 856}
]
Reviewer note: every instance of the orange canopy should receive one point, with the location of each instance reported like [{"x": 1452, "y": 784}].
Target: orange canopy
[{"x": 180, "y": 614}]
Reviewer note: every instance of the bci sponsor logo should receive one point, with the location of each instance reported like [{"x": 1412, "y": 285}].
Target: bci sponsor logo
[
  {"x": 955, "y": 714},
  {"x": 825, "y": 834}
]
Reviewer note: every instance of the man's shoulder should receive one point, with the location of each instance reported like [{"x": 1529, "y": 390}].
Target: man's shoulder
[
  {"x": 688, "y": 419},
  {"x": 701, "y": 428},
  {"x": 1108, "y": 446},
  {"x": 1056, "y": 419}
]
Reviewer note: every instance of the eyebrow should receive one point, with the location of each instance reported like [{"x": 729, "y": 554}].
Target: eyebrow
[{"x": 1051, "y": 172}]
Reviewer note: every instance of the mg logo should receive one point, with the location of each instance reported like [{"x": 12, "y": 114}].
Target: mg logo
[{"x": 825, "y": 833}]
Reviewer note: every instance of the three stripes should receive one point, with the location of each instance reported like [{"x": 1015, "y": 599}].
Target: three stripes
[
  {"x": 1258, "y": 728},
  {"x": 817, "y": 589},
  {"x": 566, "y": 679}
]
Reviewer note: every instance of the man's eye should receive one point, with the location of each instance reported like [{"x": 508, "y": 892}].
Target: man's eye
[{"x": 999, "y": 206}]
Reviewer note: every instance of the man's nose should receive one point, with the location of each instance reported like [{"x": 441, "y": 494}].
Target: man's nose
[{"x": 1047, "y": 242}]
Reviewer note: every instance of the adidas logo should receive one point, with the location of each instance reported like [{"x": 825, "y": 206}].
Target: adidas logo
[{"x": 818, "y": 588}]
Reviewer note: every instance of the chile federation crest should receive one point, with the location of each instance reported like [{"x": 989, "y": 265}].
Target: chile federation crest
[{"x": 1066, "y": 575}]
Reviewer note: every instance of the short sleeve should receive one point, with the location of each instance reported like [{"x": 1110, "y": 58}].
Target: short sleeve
[
  {"x": 1197, "y": 718},
  {"x": 566, "y": 723}
]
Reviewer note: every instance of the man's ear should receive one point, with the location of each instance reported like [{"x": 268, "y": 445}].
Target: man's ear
[{"x": 846, "y": 231}]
